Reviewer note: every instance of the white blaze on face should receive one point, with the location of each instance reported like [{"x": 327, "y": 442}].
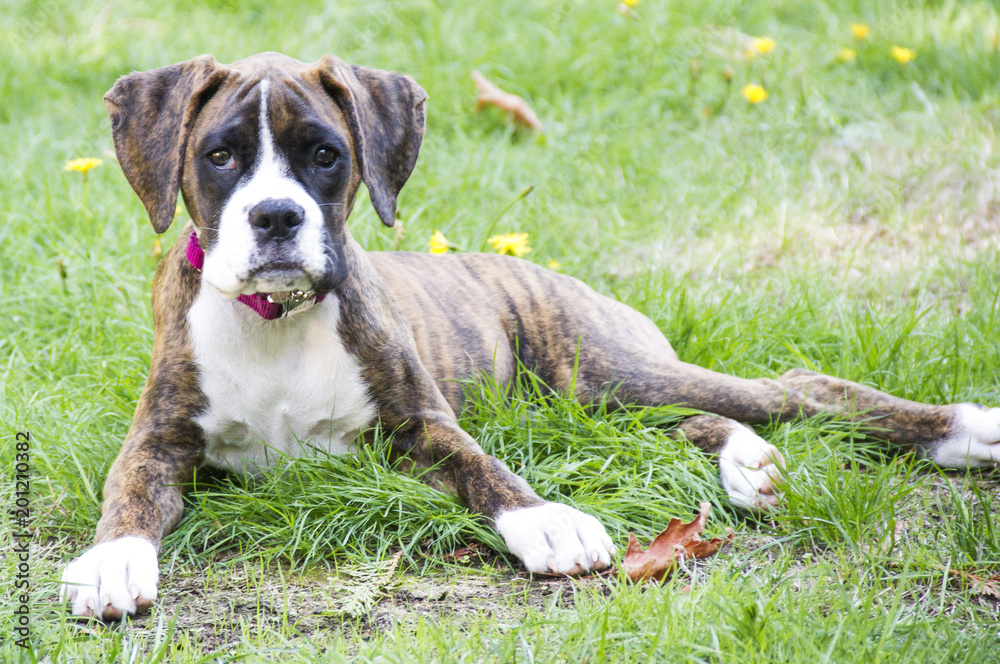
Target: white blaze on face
[{"x": 235, "y": 255}]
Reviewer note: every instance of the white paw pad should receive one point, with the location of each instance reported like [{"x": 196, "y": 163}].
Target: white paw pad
[
  {"x": 748, "y": 467},
  {"x": 112, "y": 579},
  {"x": 974, "y": 441},
  {"x": 556, "y": 539}
]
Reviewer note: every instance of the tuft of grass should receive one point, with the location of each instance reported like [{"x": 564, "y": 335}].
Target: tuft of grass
[
  {"x": 851, "y": 496},
  {"x": 331, "y": 508},
  {"x": 971, "y": 525}
]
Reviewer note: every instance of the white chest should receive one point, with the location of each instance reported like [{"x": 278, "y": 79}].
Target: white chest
[{"x": 284, "y": 386}]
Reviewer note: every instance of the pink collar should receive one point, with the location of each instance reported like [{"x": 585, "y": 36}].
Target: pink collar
[{"x": 259, "y": 302}]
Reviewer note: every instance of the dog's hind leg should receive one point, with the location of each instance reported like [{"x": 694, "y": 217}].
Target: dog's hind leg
[
  {"x": 955, "y": 435},
  {"x": 747, "y": 463}
]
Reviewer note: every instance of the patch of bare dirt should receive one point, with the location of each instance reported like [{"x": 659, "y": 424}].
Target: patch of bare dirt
[{"x": 216, "y": 610}]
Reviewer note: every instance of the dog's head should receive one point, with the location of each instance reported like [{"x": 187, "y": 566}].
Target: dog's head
[{"x": 268, "y": 154}]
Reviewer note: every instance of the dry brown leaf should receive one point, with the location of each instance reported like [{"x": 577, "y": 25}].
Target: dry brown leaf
[
  {"x": 988, "y": 586},
  {"x": 677, "y": 541},
  {"x": 517, "y": 109}
]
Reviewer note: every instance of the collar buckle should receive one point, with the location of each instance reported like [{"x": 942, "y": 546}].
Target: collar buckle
[{"x": 285, "y": 297}]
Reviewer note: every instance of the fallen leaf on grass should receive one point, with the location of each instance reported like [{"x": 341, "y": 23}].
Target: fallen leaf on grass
[
  {"x": 678, "y": 540},
  {"x": 989, "y": 586},
  {"x": 517, "y": 109}
]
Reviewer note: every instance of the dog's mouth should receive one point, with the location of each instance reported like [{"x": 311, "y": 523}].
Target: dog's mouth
[
  {"x": 278, "y": 273},
  {"x": 278, "y": 276}
]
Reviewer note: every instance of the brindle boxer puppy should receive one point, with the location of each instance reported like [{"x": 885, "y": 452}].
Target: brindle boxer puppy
[{"x": 268, "y": 154}]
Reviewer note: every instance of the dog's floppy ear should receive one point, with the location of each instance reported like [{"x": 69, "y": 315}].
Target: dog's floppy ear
[
  {"x": 385, "y": 112},
  {"x": 151, "y": 116}
]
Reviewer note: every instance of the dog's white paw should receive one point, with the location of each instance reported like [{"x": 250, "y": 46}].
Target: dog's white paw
[
  {"x": 556, "y": 539},
  {"x": 974, "y": 441},
  {"x": 748, "y": 466},
  {"x": 111, "y": 579}
]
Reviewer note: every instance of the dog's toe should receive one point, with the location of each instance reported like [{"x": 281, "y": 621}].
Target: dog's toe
[
  {"x": 556, "y": 539},
  {"x": 748, "y": 468},
  {"x": 112, "y": 579}
]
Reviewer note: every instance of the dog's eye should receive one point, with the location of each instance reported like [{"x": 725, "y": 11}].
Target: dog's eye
[
  {"x": 325, "y": 157},
  {"x": 222, "y": 159}
]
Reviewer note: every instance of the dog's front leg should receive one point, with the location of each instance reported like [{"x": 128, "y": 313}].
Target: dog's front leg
[
  {"x": 142, "y": 493},
  {"x": 142, "y": 502},
  {"x": 547, "y": 537}
]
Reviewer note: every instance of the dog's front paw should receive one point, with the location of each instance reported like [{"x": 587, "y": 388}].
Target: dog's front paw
[
  {"x": 556, "y": 539},
  {"x": 748, "y": 466},
  {"x": 974, "y": 441},
  {"x": 112, "y": 579}
]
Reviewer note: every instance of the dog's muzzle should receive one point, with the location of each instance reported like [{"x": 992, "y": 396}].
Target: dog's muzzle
[{"x": 267, "y": 305}]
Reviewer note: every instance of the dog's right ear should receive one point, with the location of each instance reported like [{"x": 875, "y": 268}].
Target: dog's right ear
[{"x": 151, "y": 117}]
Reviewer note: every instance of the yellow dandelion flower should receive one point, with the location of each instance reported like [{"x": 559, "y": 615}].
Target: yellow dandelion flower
[
  {"x": 754, "y": 93},
  {"x": 861, "y": 31},
  {"x": 553, "y": 264},
  {"x": 763, "y": 45},
  {"x": 630, "y": 3},
  {"x": 902, "y": 55},
  {"x": 439, "y": 243},
  {"x": 157, "y": 249},
  {"x": 847, "y": 55},
  {"x": 511, "y": 244},
  {"x": 83, "y": 165}
]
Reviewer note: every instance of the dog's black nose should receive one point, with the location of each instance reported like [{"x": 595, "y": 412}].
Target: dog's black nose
[{"x": 277, "y": 217}]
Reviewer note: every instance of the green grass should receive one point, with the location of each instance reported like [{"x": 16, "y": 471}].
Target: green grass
[
  {"x": 848, "y": 224},
  {"x": 841, "y": 501}
]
